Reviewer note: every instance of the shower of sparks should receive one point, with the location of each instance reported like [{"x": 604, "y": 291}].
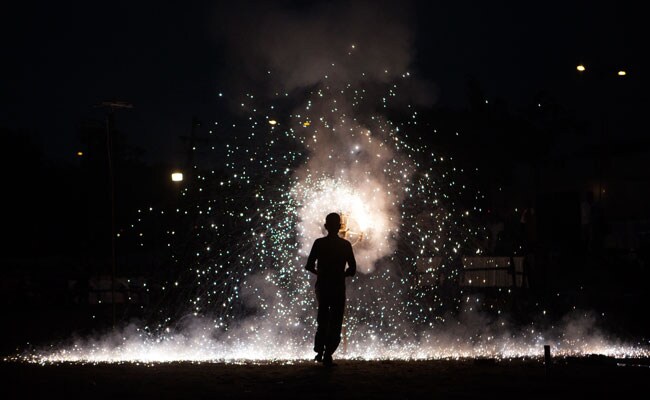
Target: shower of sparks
[
  {"x": 253, "y": 222},
  {"x": 207, "y": 344}
]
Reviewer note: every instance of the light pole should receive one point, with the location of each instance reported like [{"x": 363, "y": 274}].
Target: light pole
[
  {"x": 607, "y": 92},
  {"x": 112, "y": 106},
  {"x": 618, "y": 74}
]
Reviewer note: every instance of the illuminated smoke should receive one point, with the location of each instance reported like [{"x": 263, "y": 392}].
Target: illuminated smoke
[
  {"x": 363, "y": 40},
  {"x": 255, "y": 301},
  {"x": 200, "y": 342},
  {"x": 286, "y": 170},
  {"x": 368, "y": 209}
]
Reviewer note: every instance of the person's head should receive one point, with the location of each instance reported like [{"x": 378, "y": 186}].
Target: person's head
[{"x": 333, "y": 223}]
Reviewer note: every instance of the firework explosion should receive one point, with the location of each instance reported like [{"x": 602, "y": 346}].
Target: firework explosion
[
  {"x": 250, "y": 297},
  {"x": 360, "y": 167},
  {"x": 343, "y": 137}
]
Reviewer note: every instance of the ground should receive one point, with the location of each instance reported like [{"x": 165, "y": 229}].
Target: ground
[{"x": 595, "y": 377}]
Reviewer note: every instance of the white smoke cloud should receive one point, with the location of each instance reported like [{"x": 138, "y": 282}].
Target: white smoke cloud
[
  {"x": 475, "y": 335},
  {"x": 365, "y": 40}
]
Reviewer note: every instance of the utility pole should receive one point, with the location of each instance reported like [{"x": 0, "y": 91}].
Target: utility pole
[{"x": 110, "y": 121}]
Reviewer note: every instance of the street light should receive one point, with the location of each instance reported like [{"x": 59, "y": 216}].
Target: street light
[
  {"x": 177, "y": 176},
  {"x": 605, "y": 76},
  {"x": 582, "y": 68},
  {"x": 112, "y": 106}
]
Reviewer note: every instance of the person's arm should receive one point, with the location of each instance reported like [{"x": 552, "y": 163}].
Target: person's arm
[
  {"x": 311, "y": 261},
  {"x": 352, "y": 263}
]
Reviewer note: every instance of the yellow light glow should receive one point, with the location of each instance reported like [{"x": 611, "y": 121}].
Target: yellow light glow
[
  {"x": 80, "y": 153},
  {"x": 306, "y": 123},
  {"x": 622, "y": 73},
  {"x": 177, "y": 176},
  {"x": 581, "y": 68},
  {"x": 273, "y": 122},
  {"x": 355, "y": 235}
]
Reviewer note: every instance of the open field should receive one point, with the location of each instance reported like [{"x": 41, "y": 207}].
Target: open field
[{"x": 588, "y": 377}]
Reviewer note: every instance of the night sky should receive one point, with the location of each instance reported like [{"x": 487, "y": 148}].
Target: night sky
[{"x": 172, "y": 61}]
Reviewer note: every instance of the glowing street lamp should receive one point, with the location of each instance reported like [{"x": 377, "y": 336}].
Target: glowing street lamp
[
  {"x": 620, "y": 73},
  {"x": 177, "y": 176}
]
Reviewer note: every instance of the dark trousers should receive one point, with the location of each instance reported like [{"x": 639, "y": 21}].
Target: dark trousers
[{"x": 331, "y": 305}]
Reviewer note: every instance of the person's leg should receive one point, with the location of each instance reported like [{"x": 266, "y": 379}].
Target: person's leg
[
  {"x": 335, "y": 323},
  {"x": 322, "y": 322}
]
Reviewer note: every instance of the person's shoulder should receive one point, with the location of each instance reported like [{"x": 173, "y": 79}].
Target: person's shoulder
[{"x": 344, "y": 241}]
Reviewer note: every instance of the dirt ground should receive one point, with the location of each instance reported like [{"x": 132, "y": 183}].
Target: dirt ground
[{"x": 589, "y": 377}]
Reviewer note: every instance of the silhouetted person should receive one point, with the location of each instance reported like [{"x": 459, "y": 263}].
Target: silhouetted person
[{"x": 327, "y": 260}]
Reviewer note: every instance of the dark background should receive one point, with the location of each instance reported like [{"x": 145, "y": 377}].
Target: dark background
[{"x": 502, "y": 73}]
